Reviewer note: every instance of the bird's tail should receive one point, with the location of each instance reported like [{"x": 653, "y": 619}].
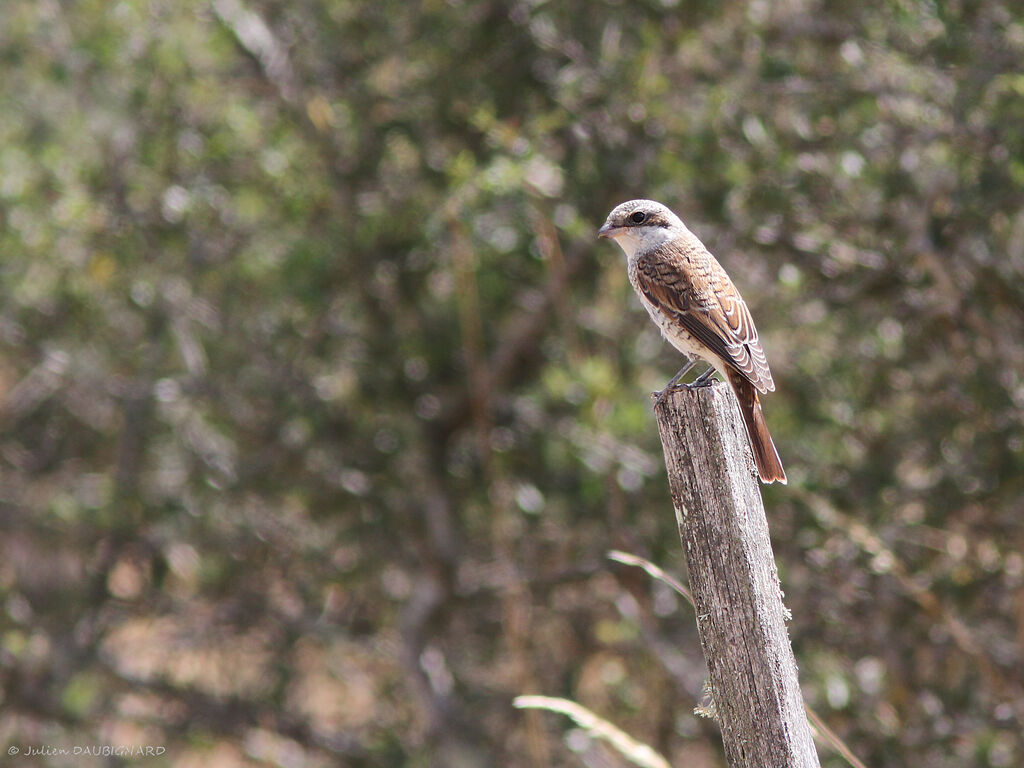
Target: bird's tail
[{"x": 769, "y": 466}]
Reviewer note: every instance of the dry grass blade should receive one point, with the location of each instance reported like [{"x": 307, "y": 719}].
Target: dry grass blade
[
  {"x": 654, "y": 571},
  {"x": 828, "y": 735},
  {"x": 634, "y": 751}
]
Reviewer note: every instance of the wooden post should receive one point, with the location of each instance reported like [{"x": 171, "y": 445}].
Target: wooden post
[{"x": 740, "y": 616}]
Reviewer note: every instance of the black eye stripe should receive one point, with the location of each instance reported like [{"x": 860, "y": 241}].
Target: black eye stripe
[{"x": 638, "y": 217}]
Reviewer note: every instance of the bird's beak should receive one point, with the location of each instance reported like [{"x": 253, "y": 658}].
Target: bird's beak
[{"x": 608, "y": 231}]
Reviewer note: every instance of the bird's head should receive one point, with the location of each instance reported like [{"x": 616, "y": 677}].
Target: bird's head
[{"x": 639, "y": 225}]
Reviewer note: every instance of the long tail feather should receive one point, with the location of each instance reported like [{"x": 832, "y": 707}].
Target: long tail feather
[{"x": 769, "y": 466}]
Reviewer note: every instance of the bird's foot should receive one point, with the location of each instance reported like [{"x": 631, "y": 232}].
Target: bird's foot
[
  {"x": 660, "y": 394},
  {"x": 673, "y": 383}
]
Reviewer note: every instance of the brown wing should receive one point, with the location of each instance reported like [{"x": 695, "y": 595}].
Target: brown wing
[{"x": 683, "y": 280}]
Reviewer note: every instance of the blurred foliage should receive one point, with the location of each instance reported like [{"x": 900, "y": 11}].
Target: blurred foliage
[{"x": 321, "y": 405}]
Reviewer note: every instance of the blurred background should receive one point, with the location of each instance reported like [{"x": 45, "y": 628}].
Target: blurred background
[{"x": 321, "y": 405}]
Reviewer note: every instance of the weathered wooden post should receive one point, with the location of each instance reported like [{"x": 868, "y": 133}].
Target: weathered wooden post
[{"x": 740, "y": 616}]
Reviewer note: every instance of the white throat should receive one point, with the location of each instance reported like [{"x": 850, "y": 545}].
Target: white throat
[{"x": 643, "y": 239}]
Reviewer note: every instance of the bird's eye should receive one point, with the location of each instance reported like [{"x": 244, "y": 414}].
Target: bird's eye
[{"x": 638, "y": 217}]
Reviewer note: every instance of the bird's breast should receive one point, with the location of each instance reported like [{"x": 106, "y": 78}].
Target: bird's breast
[{"x": 673, "y": 331}]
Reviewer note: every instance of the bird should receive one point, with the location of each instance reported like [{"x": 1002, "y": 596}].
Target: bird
[{"x": 700, "y": 312}]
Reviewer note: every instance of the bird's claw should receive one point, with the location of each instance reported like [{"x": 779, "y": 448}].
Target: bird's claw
[
  {"x": 661, "y": 393},
  {"x": 698, "y": 384}
]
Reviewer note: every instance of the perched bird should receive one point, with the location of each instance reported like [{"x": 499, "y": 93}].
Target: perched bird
[{"x": 698, "y": 309}]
